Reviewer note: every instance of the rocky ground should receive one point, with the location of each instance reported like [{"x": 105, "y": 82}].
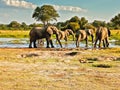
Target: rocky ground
[{"x": 59, "y": 69}]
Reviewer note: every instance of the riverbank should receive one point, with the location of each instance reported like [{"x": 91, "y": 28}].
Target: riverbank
[{"x": 59, "y": 69}]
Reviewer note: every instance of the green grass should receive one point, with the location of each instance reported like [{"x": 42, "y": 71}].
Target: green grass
[
  {"x": 115, "y": 34},
  {"x": 14, "y": 33}
]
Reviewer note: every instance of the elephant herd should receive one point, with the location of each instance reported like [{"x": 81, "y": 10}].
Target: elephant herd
[{"x": 101, "y": 34}]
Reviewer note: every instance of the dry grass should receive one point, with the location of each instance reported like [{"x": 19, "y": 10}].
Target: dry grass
[{"x": 54, "y": 69}]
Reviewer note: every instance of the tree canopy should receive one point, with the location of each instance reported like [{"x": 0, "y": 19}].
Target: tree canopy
[{"x": 45, "y": 14}]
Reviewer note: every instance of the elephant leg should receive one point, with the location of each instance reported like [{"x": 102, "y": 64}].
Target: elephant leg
[
  {"x": 73, "y": 37},
  {"x": 107, "y": 43},
  {"x": 95, "y": 42},
  {"x": 92, "y": 38},
  {"x": 77, "y": 43},
  {"x": 47, "y": 40},
  {"x": 30, "y": 45},
  {"x": 104, "y": 43},
  {"x": 100, "y": 43},
  {"x": 65, "y": 38},
  {"x": 58, "y": 40},
  {"x": 51, "y": 43},
  {"x": 34, "y": 42},
  {"x": 86, "y": 42}
]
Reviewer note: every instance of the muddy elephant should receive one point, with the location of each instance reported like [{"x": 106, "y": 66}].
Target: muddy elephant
[
  {"x": 83, "y": 35},
  {"x": 102, "y": 34},
  {"x": 40, "y": 33},
  {"x": 65, "y": 34}
]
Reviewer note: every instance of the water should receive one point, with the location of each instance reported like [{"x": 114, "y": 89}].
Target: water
[{"x": 24, "y": 43}]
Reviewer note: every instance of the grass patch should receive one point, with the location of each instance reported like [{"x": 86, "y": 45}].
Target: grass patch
[
  {"x": 15, "y": 33},
  {"x": 115, "y": 34}
]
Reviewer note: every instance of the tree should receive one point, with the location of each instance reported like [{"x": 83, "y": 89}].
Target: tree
[
  {"x": 14, "y": 24},
  {"x": 45, "y": 14},
  {"x": 74, "y": 19},
  {"x": 83, "y": 22},
  {"x": 74, "y": 26},
  {"x": 116, "y": 21},
  {"x": 24, "y": 26},
  {"x": 97, "y": 23}
]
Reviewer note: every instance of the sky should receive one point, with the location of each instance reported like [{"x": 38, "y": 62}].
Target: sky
[{"x": 22, "y": 10}]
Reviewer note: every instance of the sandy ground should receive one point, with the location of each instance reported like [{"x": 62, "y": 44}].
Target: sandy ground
[{"x": 58, "y": 69}]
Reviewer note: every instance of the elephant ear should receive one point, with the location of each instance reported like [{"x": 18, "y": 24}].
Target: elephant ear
[{"x": 49, "y": 30}]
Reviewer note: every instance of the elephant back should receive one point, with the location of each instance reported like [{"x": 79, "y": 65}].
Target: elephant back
[{"x": 37, "y": 32}]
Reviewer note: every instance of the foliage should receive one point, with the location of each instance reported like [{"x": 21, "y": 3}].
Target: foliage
[
  {"x": 74, "y": 23},
  {"x": 74, "y": 26},
  {"x": 83, "y": 22},
  {"x": 45, "y": 14},
  {"x": 97, "y": 23},
  {"x": 116, "y": 21}
]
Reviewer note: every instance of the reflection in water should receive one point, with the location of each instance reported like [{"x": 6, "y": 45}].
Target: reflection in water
[{"x": 24, "y": 42}]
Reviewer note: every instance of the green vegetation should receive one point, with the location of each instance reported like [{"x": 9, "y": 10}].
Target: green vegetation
[
  {"x": 14, "y": 33},
  {"x": 45, "y": 14},
  {"x": 115, "y": 34}
]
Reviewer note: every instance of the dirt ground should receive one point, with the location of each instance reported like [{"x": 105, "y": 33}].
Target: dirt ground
[{"x": 59, "y": 69}]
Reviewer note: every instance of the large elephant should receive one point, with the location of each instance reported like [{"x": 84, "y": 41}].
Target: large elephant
[
  {"x": 64, "y": 34},
  {"x": 40, "y": 33},
  {"x": 102, "y": 34},
  {"x": 83, "y": 35}
]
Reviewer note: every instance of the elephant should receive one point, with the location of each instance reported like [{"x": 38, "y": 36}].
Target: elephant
[
  {"x": 40, "y": 42},
  {"x": 40, "y": 33},
  {"x": 64, "y": 34},
  {"x": 102, "y": 34},
  {"x": 83, "y": 35}
]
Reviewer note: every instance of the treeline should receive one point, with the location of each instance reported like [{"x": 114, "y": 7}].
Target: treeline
[
  {"x": 74, "y": 23},
  {"x": 14, "y": 25}
]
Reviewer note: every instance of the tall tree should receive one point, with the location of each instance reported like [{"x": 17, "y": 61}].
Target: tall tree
[{"x": 45, "y": 14}]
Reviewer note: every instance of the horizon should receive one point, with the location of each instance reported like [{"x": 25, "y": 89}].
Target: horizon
[{"x": 22, "y": 10}]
